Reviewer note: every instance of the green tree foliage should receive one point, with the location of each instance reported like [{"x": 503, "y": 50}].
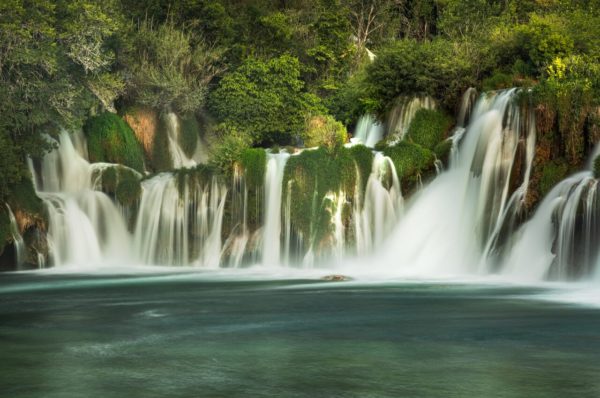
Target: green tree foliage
[
  {"x": 265, "y": 100},
  {"x": 167, "y": 69}
]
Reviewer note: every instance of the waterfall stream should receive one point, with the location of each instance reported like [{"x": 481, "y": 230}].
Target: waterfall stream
[{"x": 469, "y": 219}]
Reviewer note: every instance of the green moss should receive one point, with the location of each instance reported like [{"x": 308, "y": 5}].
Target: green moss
[
  {"x": 198, "y": 176},
  {"x": 311, "y": 175},
  {"x": 161, "y": 156},
  {"x": 552, "y": 174},
  {"x": 111, "y": 140},
  {"x": 188, "y": 134},
  {"x": 254, "y": 163},
  {"x": 411, "y": 160},
  {"x": 442, "y": 150},
  {"x": 429, "y": 128},
  {"x": 128, "y": 189},
  {"x": 109, "y": 180},
  {"x": 23, "y": 197},
  {"x": 363, "y": 157}
]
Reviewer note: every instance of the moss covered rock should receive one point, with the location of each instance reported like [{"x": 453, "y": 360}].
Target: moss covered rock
[
  {"x": 254, "y": 163},
  {"x": 429, "y": 128},
  {"x": 111, "y": 140},
  {"x": 119, "y": 182},
  {"x": 552, "y": 173},
  {"x": 189, "y": 133},
  {"x": 412, "y": 162},
  {"x": 308, "y": 180}
]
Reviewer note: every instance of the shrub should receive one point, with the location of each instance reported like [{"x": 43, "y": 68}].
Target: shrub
[
  {"x": 324, "y": 131},
  {"x": 111, "y": 140},
  {"x": 265, "y": 100},
  {"x": 227, "y": 147}
]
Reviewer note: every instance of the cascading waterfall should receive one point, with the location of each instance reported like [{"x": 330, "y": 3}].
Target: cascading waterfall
[
  {"x": 85, "y": 226},
  {"x": 19, "y": 243},
  {"x": 381, "y": 207},
  {"x": 180, "y": 223},
  {"x": 558, "y": 241},
  {"x": 271, "y": 248},
  {"x": 403, "y": 113},
  {"x": 447, "y": 225},
  {"x": 368, "y": 131}
]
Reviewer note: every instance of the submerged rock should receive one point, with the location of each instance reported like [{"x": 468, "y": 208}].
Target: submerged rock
[{"x": 336, "y": 278}]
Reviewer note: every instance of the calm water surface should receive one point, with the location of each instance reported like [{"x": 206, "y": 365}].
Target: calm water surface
[{"x": 187, "y": 336}]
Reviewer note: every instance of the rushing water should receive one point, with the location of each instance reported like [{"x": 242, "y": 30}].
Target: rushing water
[
  {"x": 190, "y": 335},
  {"x": 468, "y": 220}
]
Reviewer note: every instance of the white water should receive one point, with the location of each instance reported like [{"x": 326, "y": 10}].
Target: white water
[
  {"x": 271, "y": 248},
  {"x": 403, "y": 113},
  {"x": 85, "y": 227},
  {"x": 381, "y": 207},
  {"x": 465, "y": 222},
  {"x": 179, "y": 228},
  {"x": 19, "y": 244},
  {"x": 446, "y": 227},
  {"x": 368, "y": 131}
]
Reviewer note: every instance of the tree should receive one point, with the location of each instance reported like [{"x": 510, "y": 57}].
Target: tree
[{"x": 266, "y": 99}]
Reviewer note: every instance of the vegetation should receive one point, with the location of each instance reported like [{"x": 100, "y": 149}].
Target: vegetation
[
  {"x": 411, "y": 160},
  {"x": 429, "y": 127},
  {"x": 111, "y": 140},
  {"x": 311, "y": 176},
  {"x": 254, "y": 163},
  {"x": 261, "y": 74}
]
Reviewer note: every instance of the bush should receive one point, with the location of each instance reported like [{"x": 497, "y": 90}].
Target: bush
[
  {"x": 111, "y": 140},
  {"x": 429, "y": 127},
  {"x": 265, "y": 100},
  {"x": 167, "y": 68},
  {"x": 324, "y": 131},
  {"x": 227, "y": 147}
]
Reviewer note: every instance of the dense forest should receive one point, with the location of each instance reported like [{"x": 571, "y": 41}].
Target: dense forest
[{"x": 284, "y": 74}]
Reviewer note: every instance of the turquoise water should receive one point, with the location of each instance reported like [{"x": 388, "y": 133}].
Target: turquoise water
[{"x": 188, "y": 336}]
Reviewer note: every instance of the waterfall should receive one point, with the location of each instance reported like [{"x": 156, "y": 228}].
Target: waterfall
[
  {"x": 447, "y": 226},
  {"x": 180, "y": 222},
  {"x": 19, "y": 244},
  {"x": 85, "y": 226},
  {"x": 558, "y": 242},
  {"x": 237, "y": 242},
  {"x": 271, "y": 248},
  {"x": 381, "y": 206},
  {"x": 180, "y": 159},
  {"x": 403, "y": 113},
  {"x": 368, "y": 131}
]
